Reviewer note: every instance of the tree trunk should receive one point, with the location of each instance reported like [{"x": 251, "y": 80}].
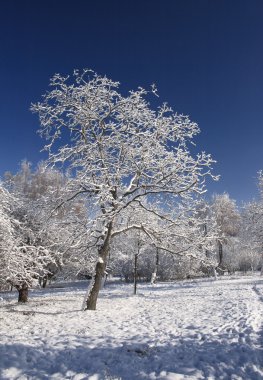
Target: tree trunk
[
  {"x": 44, "y": 283},
  {"x": 90, "y": 301},
  {"x": 220, "y": 254},
  {"x": 135, "y": 273},
  {"x": 22, "y": 293},
  {"x": 215, "y": 273},
  {"x": 154, "y": 274},
  {"x": 135, "y": 279}
]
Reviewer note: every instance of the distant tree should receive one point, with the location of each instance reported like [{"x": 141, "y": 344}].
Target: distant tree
[
  {"x": 247, "y": 245},
  {"x": 7, "y": 238},
  {"x": 61, "y": 230},
  {"x": 22, "y": 261},
  {"x": 120, "y": 152},
  {"x": 251, "y": 235},
  {"x": 228, "y": 221},
  {"x": 36, "y": 191},
  {"x": 156, "y": 266}
]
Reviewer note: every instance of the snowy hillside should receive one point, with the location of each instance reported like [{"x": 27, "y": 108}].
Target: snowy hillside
[{"x": 189, "y": 330}]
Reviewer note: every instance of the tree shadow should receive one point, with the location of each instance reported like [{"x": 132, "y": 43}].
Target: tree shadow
[
  {"x": 32, "y": 312},
  {"x": 188, "y": 358}
]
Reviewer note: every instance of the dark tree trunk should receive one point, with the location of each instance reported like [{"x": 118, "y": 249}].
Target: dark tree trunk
[
  {"x": 205, "y": 234},
  {"x": 136, "y": 265},
  {"x": 135, "y": 273},
  {"x": 44, "y": 283},
  {"x": 91, "y": 302},
  {"x": 95, "y": 286},
  {"x": 220, "y": 253},
  {"x": 22, "y": 293}
]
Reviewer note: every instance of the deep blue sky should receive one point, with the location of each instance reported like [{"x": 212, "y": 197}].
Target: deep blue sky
[{"x": 205, "y": 56}]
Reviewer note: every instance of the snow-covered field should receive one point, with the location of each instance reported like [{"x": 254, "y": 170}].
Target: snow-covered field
[{"x": 189, "y": 330}]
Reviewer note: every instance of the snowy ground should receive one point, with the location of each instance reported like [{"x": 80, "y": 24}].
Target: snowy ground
[{"x": 189, "y": 330}]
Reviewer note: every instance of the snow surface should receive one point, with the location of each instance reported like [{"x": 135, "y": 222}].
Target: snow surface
[{"x": 189, "y": 330}]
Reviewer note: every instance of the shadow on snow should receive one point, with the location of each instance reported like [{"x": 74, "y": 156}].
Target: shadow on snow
[{"x": 189, "y": 357}]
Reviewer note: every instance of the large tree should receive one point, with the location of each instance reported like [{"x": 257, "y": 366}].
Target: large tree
[{"x": 120, "y": 152}]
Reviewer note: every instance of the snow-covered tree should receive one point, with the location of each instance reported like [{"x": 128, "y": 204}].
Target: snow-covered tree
[
  {"x": 22, "y": 261},
  {"x": 7, "y": 238},
  {"x": 36, "y": 192},
  {"x": 251, "y": 241},
  {"x": 120, "y": 152},
  {"x": 61, "y": 230},
  {"x": 228, "y": 220}
]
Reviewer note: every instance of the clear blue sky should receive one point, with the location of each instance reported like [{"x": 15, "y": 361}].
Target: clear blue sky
[{"x": 205, "y": 56}]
